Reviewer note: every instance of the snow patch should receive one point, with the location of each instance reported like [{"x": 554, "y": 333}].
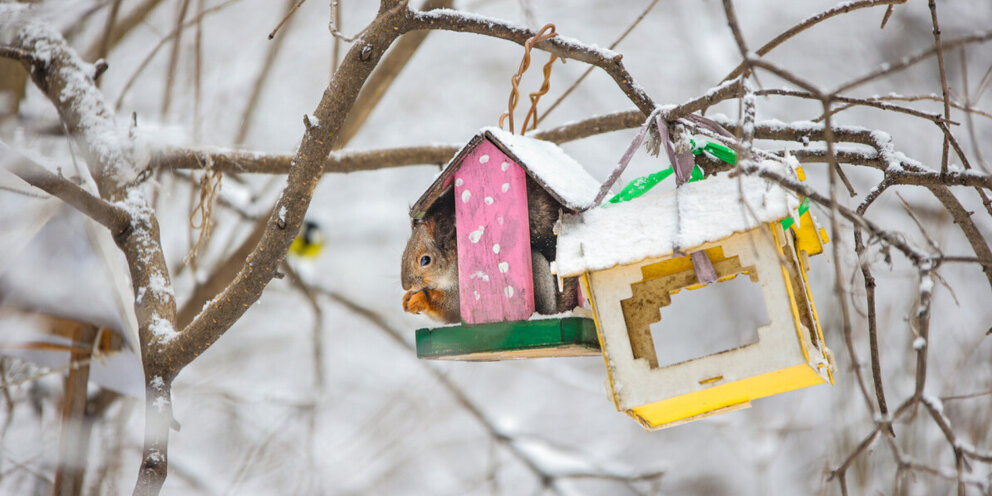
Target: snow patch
[
  {"x": 159, "y": 286},
  {"x": 659, "y": 224},
  {"x": 157, "y": 383},
  {"x": 160, "y": 403},
  {"x": 162, "y": 329},
  {"x": 564, "y": 178}
]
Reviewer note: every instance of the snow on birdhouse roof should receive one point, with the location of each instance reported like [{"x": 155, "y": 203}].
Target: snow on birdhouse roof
[
  {"x": 660, "y": 224},
  {"x": 547, "y": 164}
]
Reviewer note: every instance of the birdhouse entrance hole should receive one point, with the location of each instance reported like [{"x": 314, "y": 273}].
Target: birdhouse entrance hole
[{"x": 728, "y": 316}]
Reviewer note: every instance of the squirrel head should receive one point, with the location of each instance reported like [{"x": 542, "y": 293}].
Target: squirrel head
[
  {"x": 430, "y": 260},
  {"x": 430, "y": 269}
]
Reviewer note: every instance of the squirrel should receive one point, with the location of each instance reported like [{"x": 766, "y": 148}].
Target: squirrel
[{"x": 429, "y": 268}]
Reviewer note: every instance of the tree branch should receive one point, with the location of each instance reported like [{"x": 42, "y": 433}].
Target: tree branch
[
  {"x": 561, "y": 46},
  {"x": 110, "y": 216},
  {"x": 287, "y": 215}
]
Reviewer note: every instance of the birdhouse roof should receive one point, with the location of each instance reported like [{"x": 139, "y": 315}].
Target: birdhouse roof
[
  {"x": 660, "y": 224},
  {"x": 547, "y": 164}
]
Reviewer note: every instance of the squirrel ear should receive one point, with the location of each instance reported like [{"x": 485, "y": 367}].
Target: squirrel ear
[{"x": 442, "y": 226}]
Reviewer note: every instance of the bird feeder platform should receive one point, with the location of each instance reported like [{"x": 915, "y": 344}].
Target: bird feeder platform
[{"x": 547, "y": 337}]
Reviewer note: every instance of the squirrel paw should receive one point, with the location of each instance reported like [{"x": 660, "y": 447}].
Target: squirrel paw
[
  {"x": 416, "y": 302},
  {"x": 430, "y": 302}
]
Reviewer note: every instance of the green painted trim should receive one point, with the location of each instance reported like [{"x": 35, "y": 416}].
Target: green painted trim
[{"x": 571, "y": 336}]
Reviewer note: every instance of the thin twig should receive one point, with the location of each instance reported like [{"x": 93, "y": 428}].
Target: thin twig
[
  {"x": 905, "y": 62},
  {"x": 810, "y": 22},
  {"x": 264, "y": 73},
  {"x": 943, "y": 81},
  {"x": 548, "y": 478},
  {"x": 170, "y": 75},
  {"x": 289, "y": 13},
  {"x": 175, "y": 32}
]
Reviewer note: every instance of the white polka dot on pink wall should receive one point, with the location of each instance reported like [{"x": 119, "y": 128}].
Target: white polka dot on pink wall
[
  {"x": 504, "y": 166},
  {"x": 483, "y": 159},
  {"x": 466, "y": 195},
  {"x": 476, "y": 235}
]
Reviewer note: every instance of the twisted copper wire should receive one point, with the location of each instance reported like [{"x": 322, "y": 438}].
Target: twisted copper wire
[{"x": 541, "y": 35}]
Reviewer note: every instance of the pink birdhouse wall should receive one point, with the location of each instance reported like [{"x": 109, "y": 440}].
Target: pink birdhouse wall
[{"x": 494, "y": 258}]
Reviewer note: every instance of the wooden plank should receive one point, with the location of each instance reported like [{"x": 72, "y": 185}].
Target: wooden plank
[
  {"x": 571, "y": 336},
  {"x": 74, "y": 439},
  {"x": 495, "y": 277},
  {"x": 537, "y": 179}
]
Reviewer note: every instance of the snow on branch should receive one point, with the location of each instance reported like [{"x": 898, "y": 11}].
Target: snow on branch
[
  {"x": 69, "y": 83},
  {"x": 562, "y": 46}
]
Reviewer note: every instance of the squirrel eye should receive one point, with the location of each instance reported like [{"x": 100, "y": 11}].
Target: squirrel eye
[{"x": 425, "y": 260}]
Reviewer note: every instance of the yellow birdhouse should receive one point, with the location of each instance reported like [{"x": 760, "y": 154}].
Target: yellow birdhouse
[{"x": 633, "y": 256}]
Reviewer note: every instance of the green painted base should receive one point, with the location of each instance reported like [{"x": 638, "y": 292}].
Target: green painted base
[{"x": 571, "y": 336}]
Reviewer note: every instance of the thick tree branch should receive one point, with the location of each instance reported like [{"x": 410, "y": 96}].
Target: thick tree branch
[
  {"x": 287, "y": 215},
  {"x": 354, "y": 161},
  {"x": 382, "y": 79},
  {"x": 562, "y": 46},
  {"x": 68, "y": 83}
]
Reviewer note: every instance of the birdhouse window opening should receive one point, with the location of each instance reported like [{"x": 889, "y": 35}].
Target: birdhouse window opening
[
  {"x": 681, "y": 336},
  {"x": 644, "y": 315}
]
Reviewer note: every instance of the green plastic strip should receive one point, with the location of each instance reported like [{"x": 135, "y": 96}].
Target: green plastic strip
[
  {"x": 643, "y": 184},
  {"x": 803, "y": 207},
  {"x": 719, "y": 151},
  {"x": 571, "y": 336}
]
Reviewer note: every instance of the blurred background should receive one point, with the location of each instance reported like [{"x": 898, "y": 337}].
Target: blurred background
[{"x": 263, "y": 413}]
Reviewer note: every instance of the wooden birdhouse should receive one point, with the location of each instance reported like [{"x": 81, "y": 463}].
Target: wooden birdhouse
[
  {"x": 492, "y": 180},
  {"x": 633, "y": 257}
]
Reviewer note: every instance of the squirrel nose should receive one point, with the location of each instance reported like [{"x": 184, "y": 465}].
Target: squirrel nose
[{"x": 413, "y": 282}]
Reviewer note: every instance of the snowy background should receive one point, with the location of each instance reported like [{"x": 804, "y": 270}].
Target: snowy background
[{"x": 252, "y": 421}]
